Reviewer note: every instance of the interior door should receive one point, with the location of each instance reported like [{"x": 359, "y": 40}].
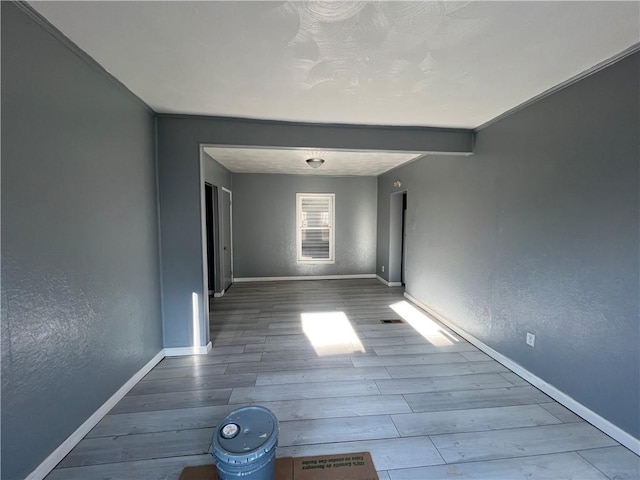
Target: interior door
[{"x": 227, "y": 252}]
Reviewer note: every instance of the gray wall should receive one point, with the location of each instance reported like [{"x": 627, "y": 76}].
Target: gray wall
[
  {"x": 80, "y": 275},
  {"x": 179, "y": 140},
  {"x": 264, "y": 224},
  {"x": 538, "y": 231}
]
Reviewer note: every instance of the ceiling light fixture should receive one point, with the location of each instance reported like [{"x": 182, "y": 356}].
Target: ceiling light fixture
[{"x": 315, "y": 162}]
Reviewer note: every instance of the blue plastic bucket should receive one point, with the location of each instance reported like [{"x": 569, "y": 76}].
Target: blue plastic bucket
[{"x": 244, "y": 444}]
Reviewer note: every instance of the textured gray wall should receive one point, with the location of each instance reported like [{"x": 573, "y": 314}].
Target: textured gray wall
[
  {"x": 264, "y": 224},
  {"x": 179, "y": 140},
  {"x": 538, "y": 231},
  {"x": 80, "y": 275}
]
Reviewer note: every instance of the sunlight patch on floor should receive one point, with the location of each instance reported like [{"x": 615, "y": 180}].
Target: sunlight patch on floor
[
  {"x": 331, "y": 333},
  {"x": 430, "y": 330}
]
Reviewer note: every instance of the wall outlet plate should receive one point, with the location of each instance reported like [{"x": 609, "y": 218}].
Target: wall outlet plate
[
  {"x": 531, "y": 339},
  {"x": 382, "y": 268}
]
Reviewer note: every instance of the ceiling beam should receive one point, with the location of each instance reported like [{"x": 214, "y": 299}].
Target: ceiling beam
[{"x": 226, "y": 131}]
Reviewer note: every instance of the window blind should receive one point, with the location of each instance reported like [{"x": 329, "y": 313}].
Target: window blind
[{"x": 315, "y": 223}]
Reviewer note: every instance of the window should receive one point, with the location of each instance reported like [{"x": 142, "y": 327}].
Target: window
[{"x": 315, "y": 213}]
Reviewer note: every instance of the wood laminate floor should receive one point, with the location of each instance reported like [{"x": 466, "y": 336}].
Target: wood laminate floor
[{"x": 424, "y": 402}]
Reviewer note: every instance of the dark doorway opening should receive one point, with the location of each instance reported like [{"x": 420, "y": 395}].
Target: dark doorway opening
[
  {"x": 404, "y": 237},
  {"x": 397, "y": 238},
  {"x": 211, "y": 202}
]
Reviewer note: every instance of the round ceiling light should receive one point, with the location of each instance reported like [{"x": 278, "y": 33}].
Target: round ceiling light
[{"x": 315, "y": 162}]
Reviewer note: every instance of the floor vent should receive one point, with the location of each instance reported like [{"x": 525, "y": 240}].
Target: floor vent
[{"x": 391, "y": 321}]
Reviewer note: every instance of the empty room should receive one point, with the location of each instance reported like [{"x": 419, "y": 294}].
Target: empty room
[{"x": 410, "y": 230}]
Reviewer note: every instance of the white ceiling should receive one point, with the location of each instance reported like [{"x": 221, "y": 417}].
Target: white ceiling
[
  {"x": 288, "y": 161},
  {"x": 438, "y": 63}
]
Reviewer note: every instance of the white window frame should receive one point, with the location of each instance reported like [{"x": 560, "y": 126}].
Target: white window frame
[{"x": 332, "y": 229}]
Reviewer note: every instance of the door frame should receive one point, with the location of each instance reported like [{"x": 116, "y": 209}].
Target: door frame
[
  {"x": 212, "y": 256},
  {"x": 230, "y": 237},
  {"x": 397, "y": 240}
]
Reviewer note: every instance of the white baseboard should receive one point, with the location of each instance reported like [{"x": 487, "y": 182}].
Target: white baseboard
[
  {"x": 590, "y": 416},
  {"x": 180, "y": 351},
  {"x": 304, "y": 277},
  {"x": 65, "y": 447},
  {"x": 218, "y": 294},
  {"x": 389, "y": 284}
]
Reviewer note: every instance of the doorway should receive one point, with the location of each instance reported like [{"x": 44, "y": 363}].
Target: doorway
[
  {"x": 211, "y": 225},
  {"x": 403, "y": 256},
  {"x": 217, "y": 239},
  {"x": 397, "y": 238},
  {"x": 227, "y": 239}
]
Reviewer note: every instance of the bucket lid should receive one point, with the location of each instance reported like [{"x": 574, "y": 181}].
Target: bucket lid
[{"x": 245, "y": 435}]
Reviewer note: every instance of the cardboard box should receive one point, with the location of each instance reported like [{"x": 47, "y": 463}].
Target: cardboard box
[{"x": 344, "y": 466}]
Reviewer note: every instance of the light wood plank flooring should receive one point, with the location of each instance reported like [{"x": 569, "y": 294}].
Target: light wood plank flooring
[{"x": 426, "y": 405}]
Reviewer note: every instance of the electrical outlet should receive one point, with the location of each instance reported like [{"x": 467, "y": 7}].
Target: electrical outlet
[
  {"x": 382, "y": 268},
  {"x": 531, "y": 339}
]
